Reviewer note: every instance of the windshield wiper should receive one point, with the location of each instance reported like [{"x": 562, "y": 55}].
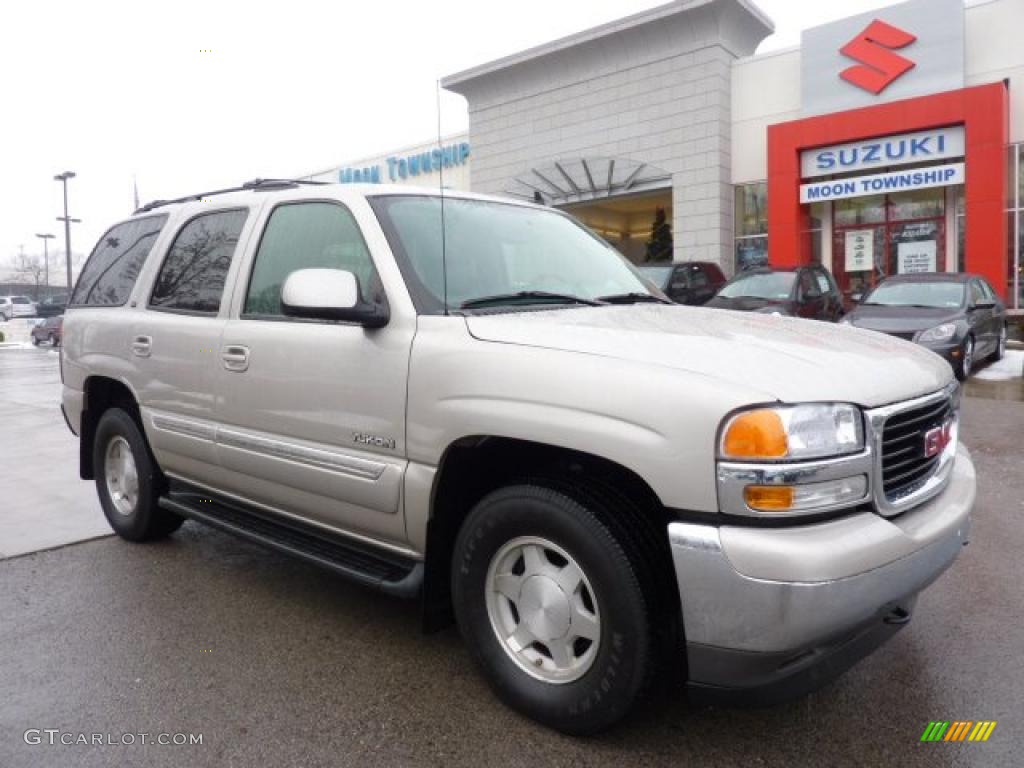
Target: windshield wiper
[
  {"x": 546, "y": 296},
  {"x": 632, "y": 298}
]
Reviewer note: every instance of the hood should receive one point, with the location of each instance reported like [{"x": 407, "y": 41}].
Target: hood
[
  {"x": 748, "y": 303},
  {"x": 900, "y": 319},
  {"x": 781, "y": 358}
]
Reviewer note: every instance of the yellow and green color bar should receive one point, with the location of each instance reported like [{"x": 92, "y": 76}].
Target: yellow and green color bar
[{"x": 958, "y": 730}]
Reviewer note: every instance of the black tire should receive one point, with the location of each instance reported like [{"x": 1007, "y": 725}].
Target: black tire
[
  {"x": 625, "y": 657},
  {"x": 35, "y": 340},
  {"x": 1000, "y": 350},
  {"x": 965, "y": 364},
  {"x": 52, "y": 339},
  {"x": 146, "y": 520}
]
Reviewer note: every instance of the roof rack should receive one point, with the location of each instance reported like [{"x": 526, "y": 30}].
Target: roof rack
[{"x": 256, "y": 185}]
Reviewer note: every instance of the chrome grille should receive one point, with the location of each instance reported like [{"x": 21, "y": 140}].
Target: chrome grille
[{"x": 905, "y": 467}]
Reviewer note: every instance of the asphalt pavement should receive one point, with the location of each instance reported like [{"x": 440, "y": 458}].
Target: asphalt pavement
[{"x": 277, "y": 663}]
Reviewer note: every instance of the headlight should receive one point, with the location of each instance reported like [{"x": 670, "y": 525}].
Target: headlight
[
  {"x": 793, "y": 432},
  {"x": 943, "y": 332}
]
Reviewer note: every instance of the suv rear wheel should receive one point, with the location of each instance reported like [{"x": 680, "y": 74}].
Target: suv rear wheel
[
  {"x": 128, "y": 481},
  {"x": 550, "y": 601}
]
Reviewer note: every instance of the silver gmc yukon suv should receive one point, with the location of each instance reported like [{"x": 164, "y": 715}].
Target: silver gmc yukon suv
[{"x": 479, "y": 404}]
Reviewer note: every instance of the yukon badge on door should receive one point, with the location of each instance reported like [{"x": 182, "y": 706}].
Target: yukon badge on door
[{"x": 363, "y": 438}]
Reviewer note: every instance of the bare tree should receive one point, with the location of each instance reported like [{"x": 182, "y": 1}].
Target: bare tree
[{"x": 30, "y": 270}]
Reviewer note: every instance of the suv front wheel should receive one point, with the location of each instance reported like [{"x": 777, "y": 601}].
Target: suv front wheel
[
  {"x": 549, "y": 600},
  {"x": 128, "y": 481}
]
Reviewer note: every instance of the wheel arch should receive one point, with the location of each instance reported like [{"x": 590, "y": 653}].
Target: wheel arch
[
  {"x": 473, "y": 466},
  {"x": 101, "y": 393}
]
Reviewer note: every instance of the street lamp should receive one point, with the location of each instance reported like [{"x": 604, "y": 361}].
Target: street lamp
[
  {"x": 63, "y": 177},
  {"x": 46, "y": 256}
]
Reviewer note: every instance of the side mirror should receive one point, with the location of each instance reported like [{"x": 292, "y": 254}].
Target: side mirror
[
  {"x": 329, "y": 294},
  {"x": 984, "y": 304}
]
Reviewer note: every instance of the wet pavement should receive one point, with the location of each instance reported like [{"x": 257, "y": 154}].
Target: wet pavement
[
  {"x": 42, "y": 502},
  {"x": 277, "y": 663}
]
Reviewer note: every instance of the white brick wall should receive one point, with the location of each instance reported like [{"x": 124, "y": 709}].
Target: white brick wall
[{"x": 657, "y": 93}]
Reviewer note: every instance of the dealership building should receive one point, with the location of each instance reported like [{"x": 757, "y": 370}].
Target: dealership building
[{"x": 886, "y": 143}]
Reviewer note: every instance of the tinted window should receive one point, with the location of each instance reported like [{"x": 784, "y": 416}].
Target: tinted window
[
  {"x": 20, "y": 300},
  {"x": 977, "y": 294},
  {"x": 823, "y": 282},
  {"x": 697, "y": 277},
  {"x": 110, "y": 273},
  {"x": 192, "y": 275},
  {"x": 307, "y": 236}
]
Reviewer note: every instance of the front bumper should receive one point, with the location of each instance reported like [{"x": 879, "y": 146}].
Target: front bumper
[{"x": 770, "y": 613}]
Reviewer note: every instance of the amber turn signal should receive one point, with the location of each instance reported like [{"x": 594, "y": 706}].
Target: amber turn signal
[
  {"x": 770, "y": 498},
  {"x": 757, "y": 434}
]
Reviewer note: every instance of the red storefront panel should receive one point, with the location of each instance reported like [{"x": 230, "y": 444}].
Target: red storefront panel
[{"x": 983, "y": 111}]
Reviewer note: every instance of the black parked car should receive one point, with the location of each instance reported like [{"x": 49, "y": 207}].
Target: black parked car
[
  {"x": 52, "y": 305},
  {"x": 809, "y": 292},
  {"x": 686, "y": 282},
  {"x": 957, "y": 316}
]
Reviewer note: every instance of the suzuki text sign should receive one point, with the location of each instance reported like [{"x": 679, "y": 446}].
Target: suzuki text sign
[
  {"x": 911, "y": 49},
  {"x": 877, "y": 153}
]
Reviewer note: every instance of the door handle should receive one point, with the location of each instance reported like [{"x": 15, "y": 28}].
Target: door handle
[
  {"x": 235, "y": 357},
  {"x": 141, "y": 346}
]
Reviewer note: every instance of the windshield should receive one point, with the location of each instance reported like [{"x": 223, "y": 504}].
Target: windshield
[
  {"x": 657, "y": 275},
  {"x": 760, "y": 285},
  {"x": 498, "y": 249},
  {"x": 940, "y": 295}
]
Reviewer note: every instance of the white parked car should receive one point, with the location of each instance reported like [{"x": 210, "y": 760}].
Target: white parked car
[
  {"x": 16, "y": 306},
  {"x": 480, "y": 404}
]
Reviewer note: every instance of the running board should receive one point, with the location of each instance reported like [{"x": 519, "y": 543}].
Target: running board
[{"x": 385, "y": 571}]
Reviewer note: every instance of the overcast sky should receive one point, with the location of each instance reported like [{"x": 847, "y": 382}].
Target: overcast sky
[{"x": 190, "y": 96}]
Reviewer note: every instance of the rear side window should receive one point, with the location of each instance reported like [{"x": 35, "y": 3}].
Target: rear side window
[
  {"x": 698, "y": 278},
  {"x": 307, "y": 236},
  {"x": 20, "y": 300},
  {"x": 110, "y": 273},
  {"x": 192, "y": 276}
]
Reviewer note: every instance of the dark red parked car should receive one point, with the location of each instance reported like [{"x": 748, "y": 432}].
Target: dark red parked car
[{"x": 49, "y": 330}]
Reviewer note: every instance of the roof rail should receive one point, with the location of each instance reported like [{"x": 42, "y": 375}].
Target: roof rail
[{"x": 256, "y": 185}]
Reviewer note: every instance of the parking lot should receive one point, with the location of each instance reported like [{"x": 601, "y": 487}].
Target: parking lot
[{"x": 277, "y": 663}]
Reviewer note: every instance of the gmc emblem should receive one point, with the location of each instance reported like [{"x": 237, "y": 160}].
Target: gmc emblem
[{"x": 936, "y": 440}]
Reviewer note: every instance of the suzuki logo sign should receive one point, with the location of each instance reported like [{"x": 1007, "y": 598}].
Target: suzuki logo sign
[
  {"x": 912, "y": 49},
  {"x": 873, "y": 48}
]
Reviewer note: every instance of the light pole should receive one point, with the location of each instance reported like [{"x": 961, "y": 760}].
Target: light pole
[
  {"x": 63, "y": 177},
  {"x": 46, "y": 256}
]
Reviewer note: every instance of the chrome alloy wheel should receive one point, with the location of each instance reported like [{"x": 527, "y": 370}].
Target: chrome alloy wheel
[
  {"x": 122, "y": 477},
  {"x": 968, "y": 356},
  {"x": 543, "y": 610}
]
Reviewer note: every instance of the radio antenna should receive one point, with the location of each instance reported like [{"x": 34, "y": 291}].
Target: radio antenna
[{"x": 440, "y": 172}]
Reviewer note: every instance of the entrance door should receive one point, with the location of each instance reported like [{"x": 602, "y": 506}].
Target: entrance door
[{"x": 882, "y": 235}]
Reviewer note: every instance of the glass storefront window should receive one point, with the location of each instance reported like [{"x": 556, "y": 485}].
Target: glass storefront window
[
  {"x": 751, "y": 209},
  {"x": 1016, "y": 263},
  {"x": 919, "y": 204},
  {"x": 859, "y": 210},
  {"x": 751, "y": 252}
]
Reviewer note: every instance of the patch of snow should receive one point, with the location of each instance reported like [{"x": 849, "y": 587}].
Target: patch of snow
[{"x": 1010, "y": 367}]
